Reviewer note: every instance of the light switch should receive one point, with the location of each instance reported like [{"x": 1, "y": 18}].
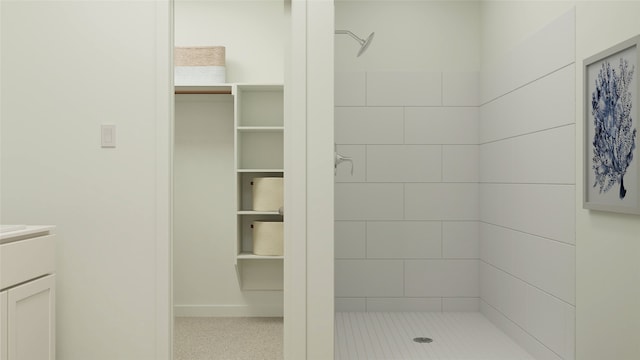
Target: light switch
[{"x": 108, "y": 135}]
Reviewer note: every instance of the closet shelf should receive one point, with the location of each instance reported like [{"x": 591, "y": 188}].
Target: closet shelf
[
  {"x": 260, "y": 170},
  {"x": 253, "y": 212},
  {"x": 260, "y": 128},
  {"x": 250, "y": 256},
  {"x": 222, "y": 89}
]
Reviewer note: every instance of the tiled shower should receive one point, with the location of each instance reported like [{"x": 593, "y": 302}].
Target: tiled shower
[
  {"x": 462, "y": 197},
  {"x": 410, "y": 212}
]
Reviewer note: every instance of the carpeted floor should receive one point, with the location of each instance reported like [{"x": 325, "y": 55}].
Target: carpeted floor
[{"x": 229, "y": 338}]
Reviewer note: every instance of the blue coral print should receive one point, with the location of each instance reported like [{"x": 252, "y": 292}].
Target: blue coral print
[{"x": 614, "y": 138}]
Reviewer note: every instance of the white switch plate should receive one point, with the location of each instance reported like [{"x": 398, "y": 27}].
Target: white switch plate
[{"x": 108, "y": 135}]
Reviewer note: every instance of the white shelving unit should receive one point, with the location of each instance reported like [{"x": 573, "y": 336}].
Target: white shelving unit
[
  {"x": 259, "y": 135},
  {"x": 258, "y": 152}
]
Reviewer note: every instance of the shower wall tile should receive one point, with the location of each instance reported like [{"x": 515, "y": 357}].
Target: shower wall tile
[
  {"x": 441, "y": 125},
  {"x": 358, "y": 154},
  {"x": 349, "y": 88},
  {"x": 527, "y": 192},
  {"x": 556, "y": 41},
  {"x": 404, "y": 88},
  {"x": 504, "y": 292},
  {"x": 460, "y": 163},
  {"x": 546, "y": 157},
  {"x": 543, "y": 316},
  {"x": 350, "y": 304},
  {"x": 364, "y": 278},
  {"x": 537, "y": 209},
  {"x": 441, "y": 201},
  {"x": 543, "y": 104},
  {"x": 461, "y": 239},
  {"x": 362, "y": 125},
  {"x": 551, "y": 321},
  {"x": 461, "y": 89},
  {"x": 369, "y": 201},
  {"x": 461, "y": 304},
  {"x": 534, "y": 347},
  {"x": 404, "y": 163},
  {"x": 543, "y": 263},
  {"x": 350, "y": 239},
  {"x": 446, "y": 278},
  {"x": 411, "y": 209},
  {"x": 405, "y": 304},
  {"x": 404, "y": 239}
]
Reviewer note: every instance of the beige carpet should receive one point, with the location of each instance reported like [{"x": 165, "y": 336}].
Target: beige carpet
[{"x": 229, "y": 338}]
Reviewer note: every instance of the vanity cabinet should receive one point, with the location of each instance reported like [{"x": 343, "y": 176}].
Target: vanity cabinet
[{"x": 27, "y": 298}]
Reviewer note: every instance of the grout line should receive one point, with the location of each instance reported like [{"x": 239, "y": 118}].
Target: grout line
[
  {"x": 366, "y": 158},
  {"x": 524, "y": 183},
  {"x": 527, "y": 133},
  {"x": 404, "y": 125},
  {"x": 366, "y": 240},
  {"x": 441, "y": 163},
  {"x": 442, "y": 89},
  {"x": 404, "y": 201},
  {"x": 521, "y": 328},
  {"x": 408, "y": 297},
  {"x": 365, "y": 89},
  {"x": 442, "y": 239},
  {"x": 527, "y": 84},
  {"x": 527, "y": 233},
  {"x": 408, "y": 106},
  {"x": 404, "y": 278},
  {"x": 527, "y": 283},
  {"x": 396, "y": 144},
  {"x": 408, "y": 258}
]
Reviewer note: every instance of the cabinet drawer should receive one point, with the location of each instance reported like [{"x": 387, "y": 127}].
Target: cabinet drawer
[{"x": 24, "y": 260}]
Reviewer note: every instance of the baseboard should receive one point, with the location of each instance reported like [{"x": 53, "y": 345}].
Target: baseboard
[{"x": 227, "y": 310}]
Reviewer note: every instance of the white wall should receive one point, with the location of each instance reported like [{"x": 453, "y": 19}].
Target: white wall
[
  {"x": 608, "y": 245},
  {"x": 409, "y": 35},
  {"x": 253, "y": 32},
  {"x": 527, "y": 190},
  {"x": 68, "y": 67},
  {"x": 406, "y": 232}
]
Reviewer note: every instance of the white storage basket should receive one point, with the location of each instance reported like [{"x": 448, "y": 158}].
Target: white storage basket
[
  {"x": 200, "y": 65},
  {"x": 268, "y": 238},
  {"x": 267, "y": 193}
]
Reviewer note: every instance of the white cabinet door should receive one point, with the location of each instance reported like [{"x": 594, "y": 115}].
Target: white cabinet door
[
  {"x": 31, "y": 320},
  {"x": 3, "y": 325}
]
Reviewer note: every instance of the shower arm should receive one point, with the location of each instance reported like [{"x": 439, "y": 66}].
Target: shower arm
[{"x": 347, "y": 32}]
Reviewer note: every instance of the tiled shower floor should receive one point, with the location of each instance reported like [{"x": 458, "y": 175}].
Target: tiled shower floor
[{"x": 456, "y": 336}]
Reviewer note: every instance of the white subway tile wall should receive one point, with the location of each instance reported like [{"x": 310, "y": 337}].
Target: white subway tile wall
[
  {"x": 463, "y": 192},
  {"x": 527, "y": 192},
  {"x": 407, "y": 220}
]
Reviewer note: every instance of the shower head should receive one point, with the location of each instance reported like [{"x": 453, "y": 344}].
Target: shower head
[{"x": 364, "y": 44}]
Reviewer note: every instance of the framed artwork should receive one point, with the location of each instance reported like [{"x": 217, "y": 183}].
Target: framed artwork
[{"x": 611, "y": 118}]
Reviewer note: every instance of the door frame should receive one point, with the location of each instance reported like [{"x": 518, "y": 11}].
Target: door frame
[{"x": 309, "y": 265}]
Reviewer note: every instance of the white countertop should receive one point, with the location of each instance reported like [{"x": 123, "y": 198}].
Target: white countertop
[{"x": 9, "y": 233}]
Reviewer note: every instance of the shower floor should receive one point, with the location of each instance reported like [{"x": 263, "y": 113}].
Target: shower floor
[{"x": 389, "y": 335}]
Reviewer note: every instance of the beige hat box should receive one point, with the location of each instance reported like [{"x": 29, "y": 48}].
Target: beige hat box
[
  {"x": 267, "y": 193},
  {"x": 268, "y": 238},
  {"x": 199, "y": 65}
]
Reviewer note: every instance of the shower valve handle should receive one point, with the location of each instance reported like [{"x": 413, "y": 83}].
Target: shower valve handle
[{"x": 340, "y": 159}]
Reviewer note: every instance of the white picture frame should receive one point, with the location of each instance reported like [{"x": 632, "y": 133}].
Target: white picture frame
[{"x": 611, "y": 129}]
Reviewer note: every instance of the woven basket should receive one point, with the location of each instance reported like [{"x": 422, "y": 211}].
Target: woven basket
[{"x": 199, "y": 56}]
